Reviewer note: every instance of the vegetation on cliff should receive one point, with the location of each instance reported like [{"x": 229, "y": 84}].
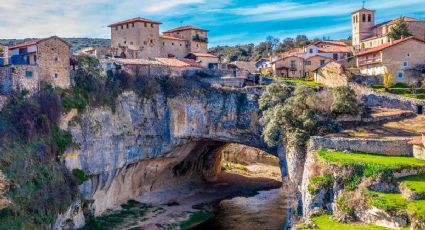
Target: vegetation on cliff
[
  {"x": 326, "y": 222},
  {"x": 30, "y": 145},
  {"x": 291, "y": 116}
]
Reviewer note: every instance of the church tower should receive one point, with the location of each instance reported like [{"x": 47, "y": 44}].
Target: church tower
[{"x": 363, "y": 21}]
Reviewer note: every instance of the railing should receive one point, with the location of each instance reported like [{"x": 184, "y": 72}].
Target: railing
[
  {"x": 18, "y": 60},
  {"x": 197, "y": 38},
  {"x": 1, "y": 61}
]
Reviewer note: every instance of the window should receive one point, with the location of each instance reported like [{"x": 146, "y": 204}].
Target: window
[
  {"x": 145, "y": 42},
  {"x": 322, "y": 62},
  {"x": 408, "y": 54},
  {"x": 180, "y": 44},
  {"x": 172, "y": 43},
  {"x": 369, "y": 18},
  {"x": 28, "y": 74},
  {"x": 152, "y": 25},
  {"x": 363, "y": 17},
  {"x": 400, "y": 75},
  {"x": 127, "y": 26},
  {"x": 56, "y": 59},
  {"x": 310, "y": 50},
  {"x": 293, "y": 64},
  {"x": 307, "y": 62},
  {"x": 35, "y": 59},
  {"x": 146, "y": 24},
  {"x": 56, "y": 76},
  {"x": 116, "y": 28},
  {"x": 406, "y": 64},
  {"x": 125, "y": 42},
  {"x": 122, "y": 27},
  {"x": 132, "y": 24},
  {"x": 131, "y": 43}
]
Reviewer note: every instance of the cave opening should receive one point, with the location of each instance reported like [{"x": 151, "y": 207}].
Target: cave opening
[{"x": 209, "y": 184}]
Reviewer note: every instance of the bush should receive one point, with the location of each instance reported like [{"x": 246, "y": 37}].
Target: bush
[
  {"x": 79, "y": 175},
  {"x": 344, "y": 101}
]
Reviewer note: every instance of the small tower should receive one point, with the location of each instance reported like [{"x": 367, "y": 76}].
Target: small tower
[{"x": 363, "y": 21}]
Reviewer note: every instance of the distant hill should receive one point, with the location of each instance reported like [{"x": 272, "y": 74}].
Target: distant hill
[{"x": 76, "y": 43}]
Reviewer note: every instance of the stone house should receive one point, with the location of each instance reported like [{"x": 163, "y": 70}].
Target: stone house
[
  {"x": 205, "y": 59},
  {"x": 28, "y": 63},
  {"x": 399, "y": 57},
  {"x": 140, "y": 38},
  {"x": 366, "y": 34},
  {"x": 298, "y": 67}
]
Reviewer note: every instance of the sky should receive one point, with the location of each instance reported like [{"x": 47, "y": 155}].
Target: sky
[{"x": 230, "y": 22}]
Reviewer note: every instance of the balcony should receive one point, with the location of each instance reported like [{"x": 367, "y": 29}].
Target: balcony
[
  {"x": 197, "y": 38},
  {"x": 19, "y": 60},
  {"x": 369, "y": 61}
]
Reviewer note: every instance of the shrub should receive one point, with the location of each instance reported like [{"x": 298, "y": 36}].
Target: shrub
[
  {"x": 345, "y": 101},
  {"x": 62, "y": 139},
  {"x": 79, "y": 175}
]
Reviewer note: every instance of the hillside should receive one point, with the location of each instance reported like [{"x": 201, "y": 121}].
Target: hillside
[{"x": 77, "y": 43}]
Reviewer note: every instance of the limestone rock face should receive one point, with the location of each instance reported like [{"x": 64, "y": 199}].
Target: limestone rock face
[{"x": 150, "y": 143}]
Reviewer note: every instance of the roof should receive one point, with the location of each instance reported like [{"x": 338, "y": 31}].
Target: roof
[
  {"x": 422, "y": 131},
  {"x": 331, "y": 42},
  {"x": 319, "y": 56},
  {"x": 204, "y": 55},
  {"x": 283, "y": 58},
  {"x": 334, "y": 49},
  {"x": 363, "y": 9},
  {"x": 292, "y": 52},
  {"x": 171, "y": 38},
  {"x": 416, "y": 141},
  {"x": 126, "y": 61},
  {"x": 386, "y": 45},
  {"x": 35, "y": 42},
  {"x": 132, "y": 20},
  {"x": 182, "y": 28},
  {"x": 173, "y": 62},
  {"x": 390, "y": 22},
  {"x": 245, "y": 65}
]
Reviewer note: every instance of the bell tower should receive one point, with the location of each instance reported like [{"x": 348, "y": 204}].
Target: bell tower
[{"x": 363, "y": 21}]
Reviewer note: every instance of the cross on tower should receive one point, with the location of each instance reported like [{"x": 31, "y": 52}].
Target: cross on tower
[{"x": 363, "y": 3}]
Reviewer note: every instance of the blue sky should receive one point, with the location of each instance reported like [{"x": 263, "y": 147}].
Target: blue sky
[{"x": 230, "y": 21}]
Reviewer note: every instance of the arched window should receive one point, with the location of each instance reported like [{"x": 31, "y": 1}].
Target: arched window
[
  {"x": 364, "y": 17},
  {"x": 369, "y": 18}
]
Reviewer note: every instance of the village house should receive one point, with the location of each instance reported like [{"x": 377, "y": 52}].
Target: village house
[
  {"x": 400, "y": 58},
  {"x": 366, "y": 34},
  {"x": 302, "y": 62},
  {"x": 140, "y": 38},
  {"x": 27, "y": 64}
]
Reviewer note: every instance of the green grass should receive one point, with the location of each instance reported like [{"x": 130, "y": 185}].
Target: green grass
[
  {"x": 303, "y": 81},
  {"x": 326, "y": 223},
  {"x": 402, "y": 90},
  {"x": 370, "y": 165},
  {"x": 394, "y": 202},
  {"x": 196, "y": 218},
  {"x": 319, "y": 182},
  {"x": 130, "y": 213},
  {"x": 414, "y": 183}
]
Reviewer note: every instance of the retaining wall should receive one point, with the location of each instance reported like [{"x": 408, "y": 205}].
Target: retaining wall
[{"x": 396, "y": 147}]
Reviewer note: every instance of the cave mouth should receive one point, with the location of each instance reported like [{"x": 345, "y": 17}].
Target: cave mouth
[{"x": 204, "y": 182}]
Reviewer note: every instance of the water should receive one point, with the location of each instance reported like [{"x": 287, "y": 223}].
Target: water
[{"x": 265, "y": 211}]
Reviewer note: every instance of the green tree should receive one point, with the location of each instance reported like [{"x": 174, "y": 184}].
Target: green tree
[
  {"x": 344, "y": 101},
  {"x": 399, "y": 30}
]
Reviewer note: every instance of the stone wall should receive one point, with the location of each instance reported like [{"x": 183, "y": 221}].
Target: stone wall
[
  {"x": 371, "y": 98},
  {"x": 331, "y": 75},
  {"x": 54, "y": 62},
  {"x": 19, "y": 77},
  {"x": 393, "y": 147}
]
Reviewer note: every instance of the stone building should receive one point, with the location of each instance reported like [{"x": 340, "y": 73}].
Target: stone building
[
  {"x": 298, "y": 67},
  {"x": 140, "y": 38},
  {"x": 28, "y": 63},
  {"x": 366, "y": 34},
  {"x": 400, "y": 58}
]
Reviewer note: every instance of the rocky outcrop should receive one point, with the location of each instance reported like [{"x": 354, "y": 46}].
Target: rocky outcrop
[
  {"x": 4, "y": 187},
  {"x": 151, "y": 143}
]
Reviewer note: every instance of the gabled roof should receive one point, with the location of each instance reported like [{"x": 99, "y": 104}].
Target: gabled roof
[
  {"x": 292, "y": 52},
  {"x": 387, "y": 45},
  {"x": 36, "y": 42},
  {"x": 182, "y": 28},
  {"x": 132, "y": 20},
  {"x": 363, "y": 9}
]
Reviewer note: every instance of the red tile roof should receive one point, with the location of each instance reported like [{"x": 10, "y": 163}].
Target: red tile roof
[
  {"x": 291, "y": 52},
  {"x": 331, "y": 42},
  {"x": 204, "y": 55},
  {"x": 34, "y": 42},
  {"x": 132, "y": 20},
  {"x": 171, "y": 38},
  {"x": 182, "y": 28},
  {"x": 334, "y": 49},
  {"x": 386, "y": 45}
]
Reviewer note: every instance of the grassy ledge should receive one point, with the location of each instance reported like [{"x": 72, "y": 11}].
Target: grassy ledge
[
  {"x": 370, "y": 165},
  {"x": 414, "y": 183},
  {"x": 326, "y": 223},
  {"x": 394, "y": 202}
]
